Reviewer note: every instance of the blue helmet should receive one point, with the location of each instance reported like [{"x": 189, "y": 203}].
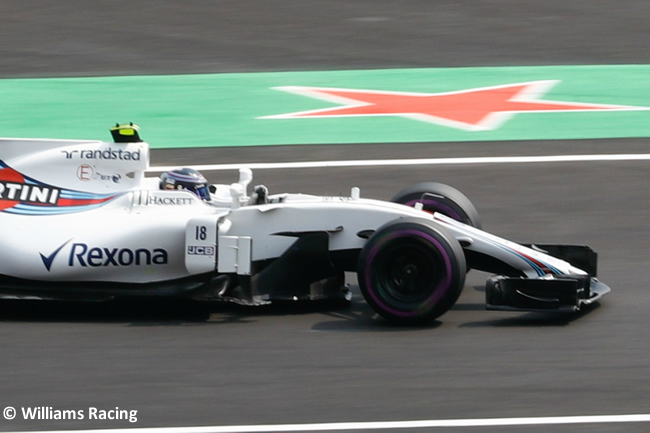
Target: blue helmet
[{"x": 188, "y": 179}]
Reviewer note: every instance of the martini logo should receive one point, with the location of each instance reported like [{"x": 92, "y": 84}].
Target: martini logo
[
  {"x": 23, "y": 195},
  {"x": 478, "y": 109}
]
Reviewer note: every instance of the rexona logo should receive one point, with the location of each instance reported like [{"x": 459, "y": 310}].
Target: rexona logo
[{"x": 82, "y": 255}]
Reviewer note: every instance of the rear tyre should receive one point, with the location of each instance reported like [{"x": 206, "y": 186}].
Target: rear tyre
[
  {"x": 411, "y": 271},
  {"x": 438, "y": 197}
]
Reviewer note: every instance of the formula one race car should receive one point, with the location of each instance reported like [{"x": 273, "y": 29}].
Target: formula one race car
[{"x": 82, "y": 222}]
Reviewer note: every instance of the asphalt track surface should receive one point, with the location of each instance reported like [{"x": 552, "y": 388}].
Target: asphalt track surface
[{"x": 183, "y": 366}]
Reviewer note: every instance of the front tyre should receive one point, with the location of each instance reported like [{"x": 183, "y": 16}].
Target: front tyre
[
  {"x": 438, "y": 197},
  {"x": 411, "y": 271}
]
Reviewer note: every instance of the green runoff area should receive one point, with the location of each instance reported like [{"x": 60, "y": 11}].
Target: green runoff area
[{"x": 215, "y": 110}]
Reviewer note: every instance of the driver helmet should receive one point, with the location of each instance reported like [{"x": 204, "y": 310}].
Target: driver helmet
[{"x": 187, "y": 179}]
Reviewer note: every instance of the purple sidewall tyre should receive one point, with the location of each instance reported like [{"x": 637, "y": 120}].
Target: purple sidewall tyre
[
  {"x": 411, "y": 271},
  {"x": 438, "y": 197}
]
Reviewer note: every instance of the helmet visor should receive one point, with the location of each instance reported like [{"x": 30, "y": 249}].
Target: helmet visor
[{"x": 203, "y": 192}]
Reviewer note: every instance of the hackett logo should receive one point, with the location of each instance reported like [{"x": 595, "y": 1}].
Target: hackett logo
[{"x": 170, "y": 201}]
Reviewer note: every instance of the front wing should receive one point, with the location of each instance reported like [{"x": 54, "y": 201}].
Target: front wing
[{"x": 565, "y": 293}]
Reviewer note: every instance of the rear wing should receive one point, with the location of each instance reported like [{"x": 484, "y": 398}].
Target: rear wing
[{"x": 80, "y": 165}]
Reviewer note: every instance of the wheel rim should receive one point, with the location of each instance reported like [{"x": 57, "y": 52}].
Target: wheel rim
[{"x": 406, "y": 272}]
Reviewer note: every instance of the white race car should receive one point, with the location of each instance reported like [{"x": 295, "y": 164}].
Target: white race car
[{"x": 82, "y": 222}]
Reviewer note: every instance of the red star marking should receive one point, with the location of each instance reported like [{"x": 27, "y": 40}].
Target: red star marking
[{"x": 479, "y": 109}]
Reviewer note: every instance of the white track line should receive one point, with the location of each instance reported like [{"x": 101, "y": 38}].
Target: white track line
[
  {"x": 486, "y": 422},
  {"x": 423, "y": 161},
  {"x": 379, "y": 425}
]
